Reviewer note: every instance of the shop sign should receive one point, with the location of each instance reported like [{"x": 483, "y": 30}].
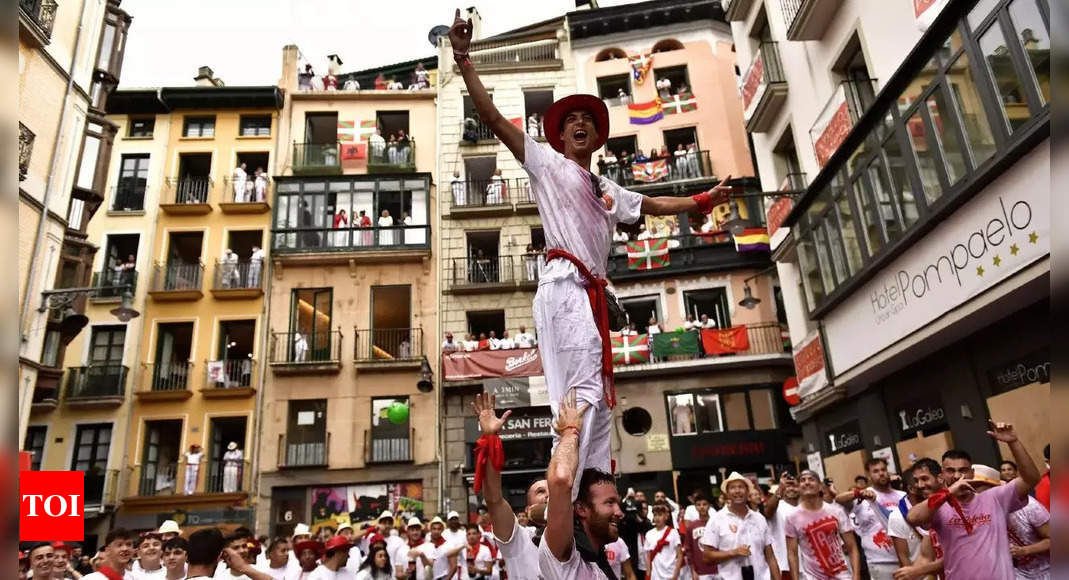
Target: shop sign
[
  {"x": 845, "y": 438},
  {"x": 809, "y": 365},
  {"x": 730, "y": 448},
  {"x": 510, "y": 393},
  {"x": 488, "y": 364},
  {"x": 752, "y": 85},
  {"x": 998, "y": 233},
  {"x": 532, "y": 424},
  {"x": 776, "y": 213},
  {"x": 919, "y": 416},
  {"x": 1033, "y": 368},
  {"x": 206, "y": 517}
]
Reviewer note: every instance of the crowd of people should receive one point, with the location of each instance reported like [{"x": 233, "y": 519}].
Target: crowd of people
[
  {"x": 683, "y": 163},
  {"x": 483, "y": 341},
  {"x": 307, "y": 80}
]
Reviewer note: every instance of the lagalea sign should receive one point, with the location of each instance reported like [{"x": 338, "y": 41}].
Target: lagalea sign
[{"x": 1002, "y": 230}]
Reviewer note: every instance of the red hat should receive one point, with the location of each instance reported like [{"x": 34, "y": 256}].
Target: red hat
[
  {"x": 338, "y": 543},
  {"x": 560, "y": 109},
  {"x": 65, "y": 547},
  {"x": 24, "y": 555},
  {"x": 312, "y": 545},
  {"x": 254, "y": 546},
  {"x": 376, "y": 537}
]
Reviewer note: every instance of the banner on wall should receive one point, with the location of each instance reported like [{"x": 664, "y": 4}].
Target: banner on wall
[
  {"x": 809, "y": 365},
  {"x": 488, "y": 364},
  {"x": 725, "y": 340},
  {"x": 329, "y": 507},
  {"x": 926, "y": 11}
]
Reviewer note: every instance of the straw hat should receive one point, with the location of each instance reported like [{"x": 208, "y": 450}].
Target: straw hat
[
  {"x": 735, "y": 476},
  {"x": 984, "y": 475}
]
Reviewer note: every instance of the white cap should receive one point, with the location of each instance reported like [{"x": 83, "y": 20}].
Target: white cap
[
  {"x": 344, "y": 526},
  {"x": 386, "y": 514},
  {"x": 301, "y": 530},
  {"x": 414, "y": 522},
  {"x": 232, "y": 445},
  {"x": 436, "y": 520},
  {"x": 169, "y": 527},
  {"x": 452, "y": 515}
]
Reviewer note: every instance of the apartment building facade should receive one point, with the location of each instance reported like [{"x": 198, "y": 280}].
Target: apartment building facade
[{"x": 921, "y": 241}]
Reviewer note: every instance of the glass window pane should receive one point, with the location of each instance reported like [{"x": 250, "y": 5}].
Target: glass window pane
[
  {"x": 896, "y": 162},
  {"x": 980, "y": 12},
  {"x": 946, "y": 127},
  {"x": 870, "y": 225},
  {"x": 1007, "y": 82},
  {"x": 919, "y": 139},
  {"x": 87, "y": 170},
  {"x": 681, "y": 408},
  {"x": 735, "y": 411},
  {"x": 764, "y": 411},
  {"x": 807, "y": 261},
  {"x": 977, "y": 128},
  {"x": 823, "y": 260},
  {"x": 106, "y": 47},
  {"x": 849, "y": 233},
  {"x": 886, "y": 205},
  {"x": 1032, "y": 32},
  {"x": 708, "y": 413},
  {"x": 835, "y": 241}
]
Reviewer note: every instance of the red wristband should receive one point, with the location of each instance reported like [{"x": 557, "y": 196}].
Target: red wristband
[
  {"x": 704, "y": 200},
  {"x": 487, "y": 449}
]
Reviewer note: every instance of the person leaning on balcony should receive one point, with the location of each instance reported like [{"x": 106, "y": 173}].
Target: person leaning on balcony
[
  {"x": 391, "y": 149},
  {"x": 530, "y": 263},
  {"x": 238, "y": 178},
  {"x": 350, "y": 84},
  {"x": 525, "y": 339},
  {"x": 449, "y": 345},
  {"x": 365, "y": 222},
  {"x": 193, "y": 458},
  {"x": 260, "y": 185},
  {"x": 380, "y": 83},
  {"x": 611, "y": 169},
  {"x": 404, "y": 148},
  {"x": 386, "y": 235},
  {"x": 680, "y": 164},
  {"x": 377, "y": 145},
  {"x": 693, "y": 165},
  {"x": 458, "y": 187}
]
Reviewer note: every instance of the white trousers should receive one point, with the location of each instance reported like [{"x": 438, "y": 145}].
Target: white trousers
[
  {"x": 190, "y": 486},
  {"x": 571, "y": 358},
  {"x": 230, "y": 478}
]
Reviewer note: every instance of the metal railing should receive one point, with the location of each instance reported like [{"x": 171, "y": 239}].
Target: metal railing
[
  {"x": 101, "y": 487},
  {"x": 387, "y": 449},
  {"x": 473, "y": 130},
  {"x": 227, "y": 476},
  {"x": 773, "y": 66},
  {"x": 490, "y": 192},
  {"x": 837, "y": 118},
  {"x": 110, "y": 277},
  {"x": 794, "y": 181},
  {"x": 316, "y": 156},
  {"x": 243, "y": 275},
  {"x": 765, "y": 69},
  {"x": 479, "y": 271},
  {"x": 176, "y": 277},
  {"x": 504, "y": 53},
  {"x": 167, "y": 377},
  {"x": 308, "y": 450},
  {"x": 45, "y": 395},
  {"x": 42, "y": 12},
  {"x": 187, "y": 190},
  {"x": 26, "y": 138},
  {"x": 693, "y": 164},
  {"x": 127, "y": 198},
  {"x": 763, "y": 337},
  {"x": 790, "y": 10},
  {"x": 252, "y": 189},
  {"x": 182, "y": 478},
  {"x": 387, "y": 344},
  {"x": 96, "y": 381},
  {"x": 230, "y": 374},
  {"x": 400, "y": 156},
  {"x": 349, "y": 239},
  {"x": 306, "y": 347}
]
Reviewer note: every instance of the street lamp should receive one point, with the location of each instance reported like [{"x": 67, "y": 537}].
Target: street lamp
[
  {"x": 62, "y": 299},
  {"x": 125, "y": 312},
  {"x": 749, "y": 301},
  {"x": 735, "y": 224},
  {"x": 426, "y": 381}
]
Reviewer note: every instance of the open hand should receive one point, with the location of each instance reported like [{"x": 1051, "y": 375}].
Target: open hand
[
  {"x": 1003, "y": 432},
  {"x": 721, "y": 191},
  {"x": 489, "y": 423},
  {"x": 570, "y": 414},
  {"x": 460, "y": 34}
]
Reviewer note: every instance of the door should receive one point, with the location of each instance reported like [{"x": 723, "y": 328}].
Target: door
[
  {"x": 391, "y": 319},
  {"x": 133, "y": 176},
  {"x": 712, "y": 302},
  {"x": 91, "y": 443},
  {"x": 159, "y": 458},
  {"x": 310, "y": 319},
  {"x": 306, "y": 433},
  {"x": 105, "y": 373}
]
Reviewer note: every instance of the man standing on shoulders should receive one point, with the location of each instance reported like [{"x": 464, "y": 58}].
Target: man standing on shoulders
[
  {"x": 815, "y": 530},
  {"x": 779, "y": 506},
  {"x": 870, "y": 507},
  {"x": 693, "y": 532},
  {"x": 737, "y": 539},
  {"x": 972, "y": 526}
]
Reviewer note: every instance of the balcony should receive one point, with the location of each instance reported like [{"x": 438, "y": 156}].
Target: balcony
[
  {"x": 491, "y": 274},
  {"x": 387, "y": 449},
  {"x": 171, "y": 484},
  {"x": 26, "y": 138},
  {"x": 316, "y": 159},
  {"x": 808, "y": 19},
  {"x": 300, "y": 353},
  {"x": 387, "y": 348},
  {"x": 176, "y": 282},
  {"x": 736, "y": 9},
  {"x": 764, "y": 89},
  {"x": 36, "y": 18},
  {"x": 491, "y": 197},
  {"x": 96, "y": 385},
  {"x": 165, "y": 382},
  {"x": 101, "y": 489},
  {"x": 45, "y": 399},
  {"x": 127, "y": 199},
  {"x": 312, "y": 246},
  {"x": 512, "y": 55},
  {"x": 688, "y": 253},
  {"x": 474, "y": 132},
  {"x": 225, "y": 379},
  {"x": 653, "y": 174},
  {"x": 307, "y": 450},
  {"x": 767, "y": 341},
  {"x": 252, "y": 195},
  {"x": 187, "y": 196},
  {"x": 847, "y": 103},
  {"x": 394, "y": 158},
  {"x": 106, "y": 281},
  {"x": 238, "y": 280}
]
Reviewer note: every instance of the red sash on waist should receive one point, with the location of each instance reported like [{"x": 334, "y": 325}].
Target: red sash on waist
[{"x": 595, "y": 291}]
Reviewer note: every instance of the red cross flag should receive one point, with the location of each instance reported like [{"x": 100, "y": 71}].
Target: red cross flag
[
  {"x": 648, "y": 254},
  {"x": 630, "y": 349}
]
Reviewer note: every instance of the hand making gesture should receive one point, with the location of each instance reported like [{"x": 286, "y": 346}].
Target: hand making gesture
[
  {"x": 489, "y": 423},
  {"x": 460, "y": 35},
  {"x": 1003, "y": 432},
  {"x": 570, "y": 415}
]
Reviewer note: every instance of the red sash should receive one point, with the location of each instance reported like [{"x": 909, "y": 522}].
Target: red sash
[
  {"x": 110, "y": 573},
  {"x": 661, "y": 543},
  {"x": 595, "y": 291}
]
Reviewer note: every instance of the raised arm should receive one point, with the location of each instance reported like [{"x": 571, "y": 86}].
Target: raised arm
[
  {"x": 560, "y": 477},
  {"x": 1027, "y": 472},
  {"x": 702, "y": 202},
  {"x": 509, "y": 134},
  {"x": 501, "y": 515}
]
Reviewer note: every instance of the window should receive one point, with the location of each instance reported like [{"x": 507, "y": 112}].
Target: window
[
  {"x": 710, "y": 416},
  {"x": 142, "y": 127},
  {"x": 711, "y": 302},
  {"x": 391, "y": 321},
  {"x": 610, "y": 54},
  {"x": 310, "y": 325},
  {"x": 613, "y": 87},
  {"x": 91, "y": 445},
  {"x": 392, "y": 123},
  {"x": 473, "y": 129},
  {"x": 222, "y": 431},
  {"x": 640, "y": 310},
  {"x": 619, "y": 146},
  {"x": 91, "y": 149},
  {"x": 1031, "y": 30},
  {"x": 255, "y": 126},
  {"x": 535, "y": 105},
  {"x": 482, "y": 322},
  {"x": 174, "y": 353},
  {"x": 681, "y": 414},
  {"x": 35, "y": 444},
  {"x": 199, "y": 127},
  {"x": 667, "y": 45},
  {"x": 675, "y": 80},
  {"x": 484, "y": 265},
  {"x": 106, "y": 345},
  {"x": 680, "y": 139},
  {"x": 306, "y": 433},
  {"x": 234, "y": 353},
  {"x": 133, "y": 180},
  {"x": 390, "y": 440},
  {"x": 50, "y": 348},
  {"x": 763, "y": 408},
  {"x": 321, "y": 128},
  {"x": 160, "y": 455},
  {"x": 538, "y": 237},
  {"x": 735, "y": 411},
  {"x": 194, "y": 178}
]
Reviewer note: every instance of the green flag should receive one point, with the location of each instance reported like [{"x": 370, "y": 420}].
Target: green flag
[{"x": 671, "y": 343}]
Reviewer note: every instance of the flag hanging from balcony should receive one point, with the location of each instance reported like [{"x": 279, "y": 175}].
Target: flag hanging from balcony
[
  {"x": 725, "y": 340},
  {"x": 675, "y": 343},
  {"x": 645, "y": 113},
  {"x": 367, "y": 129},
  {"x": 650, "y": 171},
  {"x": 630, "y": 349},
  {"x": 347, "y": 131},
  {"x": 752, "y": 240},
  {"x": 648, "y": 254},
  {"x": 640, "y": 67},
  {"x": 354, "y": 151},
  {"x": 680, "y": 103}
]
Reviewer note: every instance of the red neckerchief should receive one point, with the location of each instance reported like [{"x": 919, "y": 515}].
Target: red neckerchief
[
  {"x": 487, "y": 448},
  {"x": 936, "y": 499},
  {"x": 109, "y": 573},
  {"x": 661, "y": 543},
  {"x": 595, "y": 291},
  {"x": 490, "y": 545},
  {"x": 416, "y": 545},
  {"x": 437, "y": 543}
]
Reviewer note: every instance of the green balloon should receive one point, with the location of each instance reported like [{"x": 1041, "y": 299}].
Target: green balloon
[{"x": 397, "y": 412}]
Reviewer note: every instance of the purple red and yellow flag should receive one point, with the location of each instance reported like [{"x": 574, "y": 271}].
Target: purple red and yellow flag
[
  {"x": 752, "y": 240},
  {"x": 645, "y": 113}
]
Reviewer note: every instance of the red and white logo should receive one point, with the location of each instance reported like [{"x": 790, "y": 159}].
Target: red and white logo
[{"x": 51, "y": 506}]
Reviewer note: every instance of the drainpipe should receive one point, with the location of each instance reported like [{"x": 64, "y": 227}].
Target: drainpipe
[
  {"x": 439, "y": 448},
  {"x": 38, "y": 243}
]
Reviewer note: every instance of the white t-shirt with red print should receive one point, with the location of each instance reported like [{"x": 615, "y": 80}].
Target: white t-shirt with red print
[
  {"x": 875, "y": 540},
  {"x": 820, "y": 544}
]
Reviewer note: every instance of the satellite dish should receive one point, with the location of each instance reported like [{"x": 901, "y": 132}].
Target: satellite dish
[{"x": 436, "y": 33}]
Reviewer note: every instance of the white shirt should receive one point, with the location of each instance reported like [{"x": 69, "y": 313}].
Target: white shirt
[
  {"x": 385, "y": 221},
  {"x": 324, "y": 573},
  {"x": 450, "y": 346},
  {"x": 520, "y": 553},
  {"x": 439, "y": 557},
  {"x": 257, "y": 255},
  {"x": 574, "y": 569},
  {"x": 726, "y": 531},
  {"x": 897, "y": 527},
  {"x": 525, "y": 340},
  {"x": 282, "y": 573},
  {"x": 777, "y": 527},
  {"x": 617, "y": 553},
  {"x": 127, "y": 575},
  {"x": 480, "y": 556},
  {"x": 870, "y": 526},
  {"x": 140, "y": 573},
  {"x": 664, "y": 562}
]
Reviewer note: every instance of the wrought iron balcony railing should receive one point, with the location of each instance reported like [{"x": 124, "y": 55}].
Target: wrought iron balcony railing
[
  {"x": 111, "y": 277},
  {"x": 387, "y": 344},
  {"x": 490, "y": 192},
  {"x": 242, "y": 275},
  {"x": 253, "y": 189},
  {"x": 296, "y": 348},
  {"x": 691, "y": 164},
  {"x": 293, "y": 240},
  {"x": 42, "y": 13},
  {"x": 96, "y": 381},
  {"x": 169, "y": 377},
  {"x": 176, "y": 277},
  {"x": 187, "y": 190},
  {"x": 316, "y": 157}
]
